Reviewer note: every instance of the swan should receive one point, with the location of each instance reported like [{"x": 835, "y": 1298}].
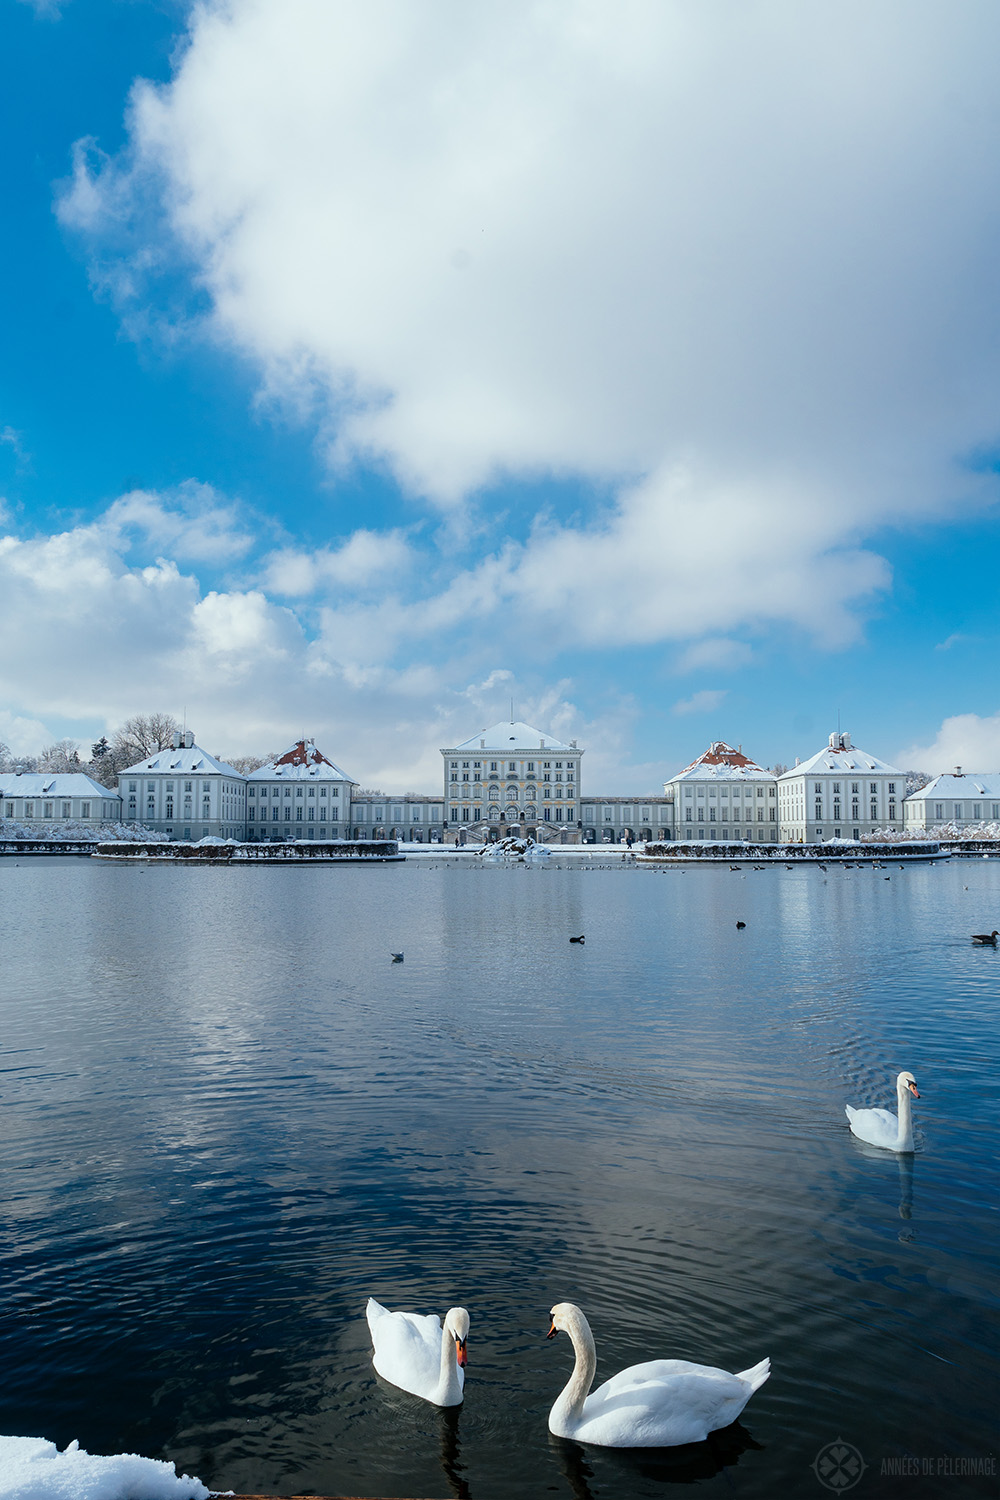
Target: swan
[
  {"x": 880, "y": 1128},
  {"x": 417, "y": 1354},
  {"x": 655, "y": 1405}
]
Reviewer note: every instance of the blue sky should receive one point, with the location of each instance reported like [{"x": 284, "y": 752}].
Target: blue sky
[{"x": 367, "y": 366}]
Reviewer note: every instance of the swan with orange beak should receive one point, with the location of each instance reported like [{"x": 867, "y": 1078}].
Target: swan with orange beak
[{"x": 414, "y": 1352}]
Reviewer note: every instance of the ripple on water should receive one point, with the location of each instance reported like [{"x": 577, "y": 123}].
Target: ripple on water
[{"x": 228, "y": 1119}]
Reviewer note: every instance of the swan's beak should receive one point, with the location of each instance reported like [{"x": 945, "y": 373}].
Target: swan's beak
[
  {"x": 552, "y": 1331},
  {"x": 913, "y": 1090},
  {"x": 460, "y": 1352}
]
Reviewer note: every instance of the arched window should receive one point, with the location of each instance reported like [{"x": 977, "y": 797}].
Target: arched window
[
  {"x": 494, "y": 814},
  {"x": 512, "y": 794},
  {"x": 513, "y": 813},
  {"x": 494, "y": 794},
  {"x": 530, "y": 810}
]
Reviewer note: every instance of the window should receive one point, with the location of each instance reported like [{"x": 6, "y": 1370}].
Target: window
[
  {"x": 873, "y": 787},
  {"x": 298, "y": 814},
  {"x": 312, "y": 814},
  {"x": 47, "y": 810},
  {"x": 288, "y": 791},
  {"x": 493, "y": 765},
  {"x": 274, "y": 814},
  {"x": 187, "y": 786},
  {"x": 511, "y": 766},
  {"x": 817, "y": 787},
  {"x": 958, "y": 809},
  {"x": 206, "y": 786},
  {"x": 465, "y": 775},
  {"x": 892, "y": 789},
  {"x": 85, "y": 810},
  {"x": 836, "y": 788},
  {"x": 132, "y": 786},
  {"x": 454, "y": 775},
  {"x": 298, "y": 791}
]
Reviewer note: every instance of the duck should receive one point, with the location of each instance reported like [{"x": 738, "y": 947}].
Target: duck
[
  {"x": 881, "y": 1128},
  {"x": 414, "y": 1352},
  {"x": 397, "y": 958},
  {"x": 659, "y": 1404},
  {"x": 581, "y": 939},
  {"x": 740, "y": 924},
  {"x": 986, "y": 937}
]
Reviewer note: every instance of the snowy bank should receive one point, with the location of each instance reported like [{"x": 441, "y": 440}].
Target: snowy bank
[{"x": 34, "y": 1469}]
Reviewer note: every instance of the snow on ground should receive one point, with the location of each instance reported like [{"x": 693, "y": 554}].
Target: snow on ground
[
  {"x": 74, "y": 832},
  {"x": 34, "y": 1469}
]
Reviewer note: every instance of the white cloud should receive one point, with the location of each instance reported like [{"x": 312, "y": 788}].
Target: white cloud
[
  {"x": 23, "y": 736},
  {"x": 366, "y": 557},
  {"x": 94, "y": 631},
  {"x": 191, "y": 521},
  {"x": 967, "y": 740},
  {"x": 751, "y": 248},
  {"x": 956, "y": 639},
  {"x": 715, "y": 654},
  {"x": 705, "y": 702}
]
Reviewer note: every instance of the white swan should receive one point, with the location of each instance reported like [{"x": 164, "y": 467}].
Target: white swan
[
  {"x": 880, "y": 1128},
  {"x": 654, "y": 1405},
  {"x": 414, "y": 1352}
]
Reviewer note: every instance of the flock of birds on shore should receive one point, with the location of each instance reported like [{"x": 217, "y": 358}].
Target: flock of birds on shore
[{"x": 660, "y": 1403}]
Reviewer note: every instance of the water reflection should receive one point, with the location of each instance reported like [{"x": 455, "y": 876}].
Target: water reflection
[
  {"x": 589, "y": 1472},
  {"x": 450, "y": 1452},
  {"x": 227, "y": 1118}
]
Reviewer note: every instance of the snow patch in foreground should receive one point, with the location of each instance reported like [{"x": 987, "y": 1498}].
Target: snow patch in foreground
[{"x": 34, "y": 1469}]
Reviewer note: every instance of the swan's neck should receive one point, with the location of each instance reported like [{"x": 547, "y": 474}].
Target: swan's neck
[
  {"x": 568, "y": 1409},
  {"x": 905, "y": 1100},
  {"x": 449, "y": 1390}
]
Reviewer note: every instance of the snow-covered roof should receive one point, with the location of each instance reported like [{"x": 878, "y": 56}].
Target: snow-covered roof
[
  {"x": 840, "y": 755},
  {"x": 504, "y": 738},
  {"x": 303, "y": 762},
  {"x": 41, "y": 784},
  {"x": 961, "y": 784},
  {"x": 721, "y": 762},
  {"x": 184, "y": 762}
]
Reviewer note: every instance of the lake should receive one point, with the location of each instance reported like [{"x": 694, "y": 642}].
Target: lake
[{"x": 226, "y": 1118}]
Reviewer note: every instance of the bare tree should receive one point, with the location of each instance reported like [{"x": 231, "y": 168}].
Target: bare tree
[
  {"x": 142, "y": 735},
  {"x": 778, "y": 769},
  {"x": 60, "y": 757},
  {"x": 915, "y": 780},
  {"x": 246, "y": 763},
  {"x": 11, "y": 763}
]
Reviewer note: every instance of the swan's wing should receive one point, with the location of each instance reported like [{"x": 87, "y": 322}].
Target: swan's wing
[
  {"x": 662, "y": 1403},
  {"x": 408, "y": 1349},
  {"x": 876, "y": 1126}
]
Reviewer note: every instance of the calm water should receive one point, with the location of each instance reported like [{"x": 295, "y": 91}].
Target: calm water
[{"x": 226, "y": 1118}]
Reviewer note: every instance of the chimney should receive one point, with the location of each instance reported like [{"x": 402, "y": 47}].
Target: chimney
[
  {"x": 175, "y": 740},
  {"x": 189, "y": 739},
  {"x": 482, "y": 744}
]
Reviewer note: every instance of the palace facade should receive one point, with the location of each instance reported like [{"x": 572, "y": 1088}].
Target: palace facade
[{"x": 509, "y": 779}]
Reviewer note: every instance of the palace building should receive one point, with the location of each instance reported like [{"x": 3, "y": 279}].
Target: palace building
[{"x": 725, "y": 795}]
